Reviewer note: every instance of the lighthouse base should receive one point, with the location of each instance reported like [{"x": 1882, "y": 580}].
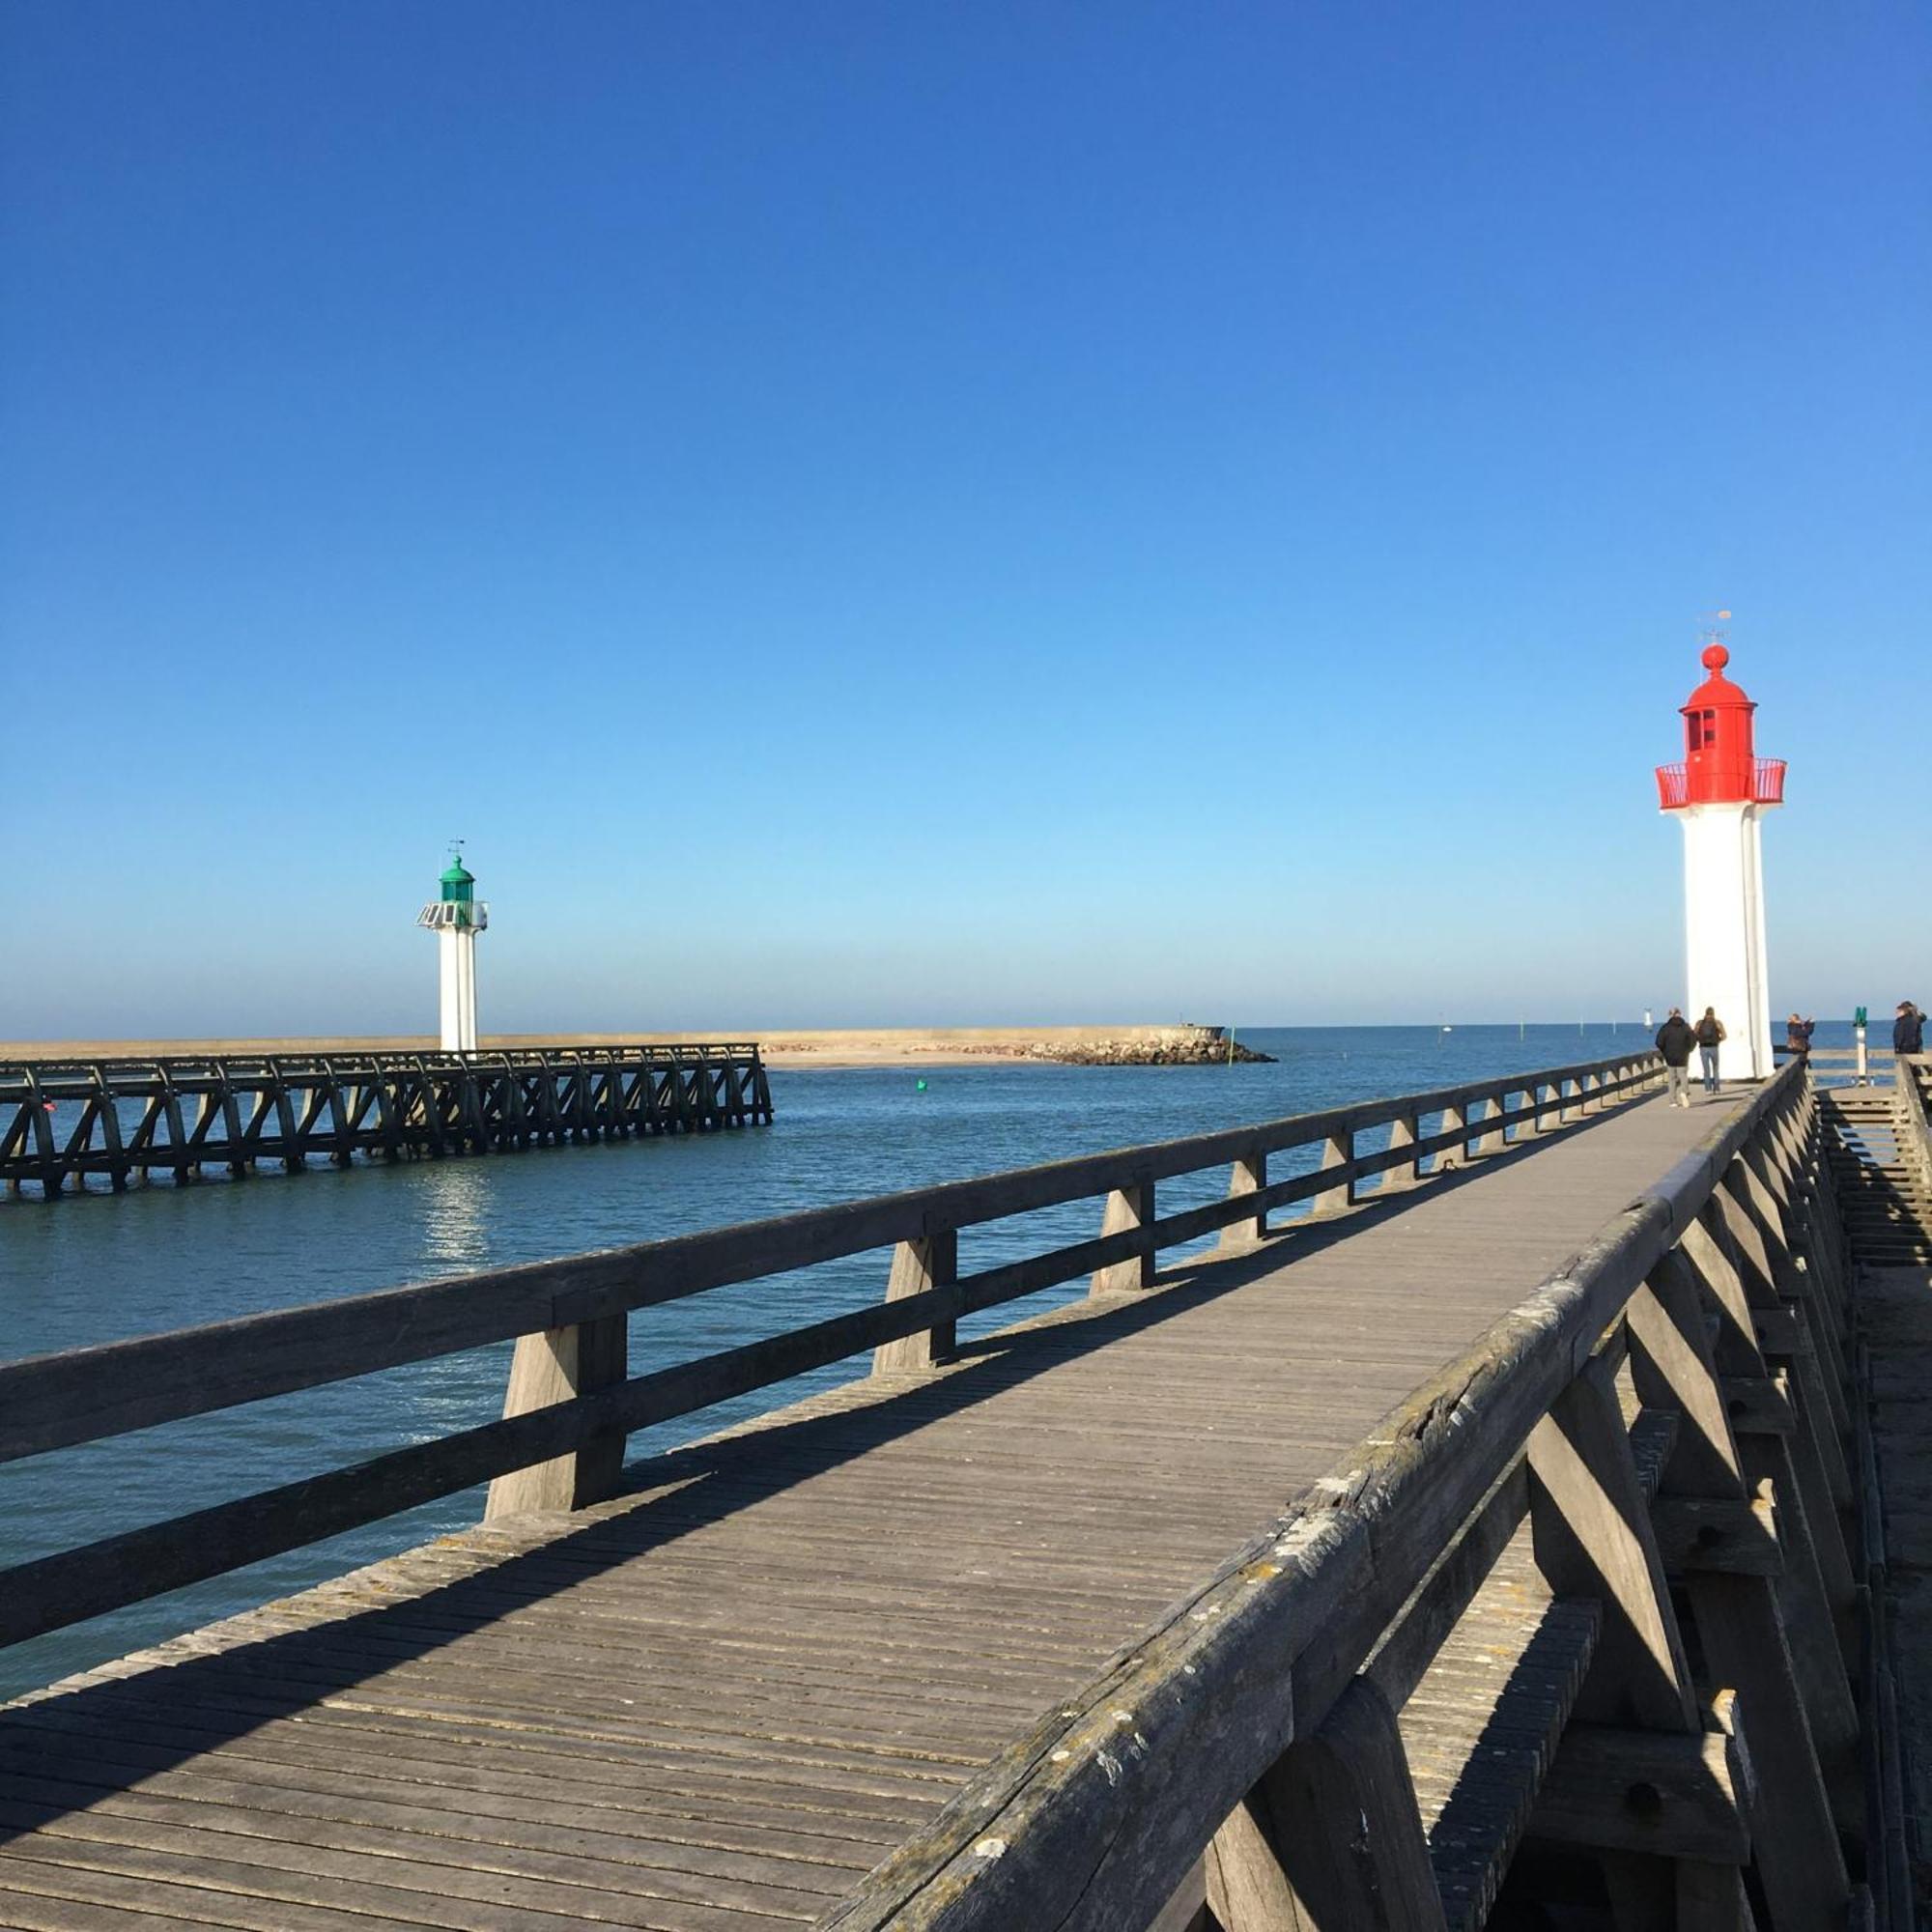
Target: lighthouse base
[
  {"x": 457, "y": 947},
  {"x": 1724, "y": 933}
]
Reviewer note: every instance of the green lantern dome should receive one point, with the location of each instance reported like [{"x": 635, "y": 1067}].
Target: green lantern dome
[{"x": 459, "y": 884}]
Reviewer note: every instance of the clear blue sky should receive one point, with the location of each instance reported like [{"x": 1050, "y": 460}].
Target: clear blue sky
[{"x": 872, "y": 513}]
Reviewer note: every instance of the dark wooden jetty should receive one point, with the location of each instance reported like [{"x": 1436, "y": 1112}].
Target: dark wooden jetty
[
  {"x": 63, "y": 1122},
  {"x": 1481, "y": 1540}
]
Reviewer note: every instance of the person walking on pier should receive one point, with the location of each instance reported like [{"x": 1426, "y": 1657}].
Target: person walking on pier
[
  {"x": 1710, "y": 1036},
  {"x": 1908, "y": 1030},
  {"x": 1674, "y": 1040}
]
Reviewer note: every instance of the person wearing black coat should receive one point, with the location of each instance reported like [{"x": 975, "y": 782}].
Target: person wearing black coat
[
  {"x": 1674, "y": 1040},
  {"x": 1908, "y": 1030}
]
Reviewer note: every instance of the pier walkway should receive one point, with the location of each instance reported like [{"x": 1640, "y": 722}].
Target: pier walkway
[{"x": 883, "y": 1624}]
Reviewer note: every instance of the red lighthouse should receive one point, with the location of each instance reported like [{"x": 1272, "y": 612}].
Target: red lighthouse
[
  {"x": 1720, "y": 762},
  {"x": 1717, "y": 794}
]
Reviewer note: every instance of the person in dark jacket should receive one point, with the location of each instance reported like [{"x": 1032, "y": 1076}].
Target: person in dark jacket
[
  {"x": 1908, "y": 1030},
  {"x": 1798, "y": 1036},
  {"x": 1674, "y": 1040},
  {"x": 1709, "y": 1031}
]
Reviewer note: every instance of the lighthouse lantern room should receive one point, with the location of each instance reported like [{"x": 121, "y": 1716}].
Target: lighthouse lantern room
[
  {"x": 456, "y": 918},
  {"x": 1717, "y": 794}
]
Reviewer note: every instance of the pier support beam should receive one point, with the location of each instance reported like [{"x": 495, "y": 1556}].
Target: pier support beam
[
  {"x": 552, "y": 1367},
  {"x": 1128, "y": 1209},
  {"x": 917, "y": 1267}
]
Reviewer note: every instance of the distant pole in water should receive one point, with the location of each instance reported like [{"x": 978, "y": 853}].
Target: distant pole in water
[
  {"x": 1646, "y": 1016},
  {"x": 1518, "y": 1032}
]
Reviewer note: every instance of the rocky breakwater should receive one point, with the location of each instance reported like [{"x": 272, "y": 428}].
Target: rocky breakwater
[{"x": 1150, "y": 1046}]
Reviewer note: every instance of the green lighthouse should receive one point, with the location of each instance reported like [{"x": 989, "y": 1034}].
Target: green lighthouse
[{"x": 456, "y": 917}]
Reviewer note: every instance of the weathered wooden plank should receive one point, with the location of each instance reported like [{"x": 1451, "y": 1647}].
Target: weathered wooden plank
[
  {"x": 1593, "y": 1538},
  {"x": 1330, "y": 1840}
]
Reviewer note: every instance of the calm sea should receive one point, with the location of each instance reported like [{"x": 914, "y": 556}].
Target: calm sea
[{"x": 97, "y": 1269}]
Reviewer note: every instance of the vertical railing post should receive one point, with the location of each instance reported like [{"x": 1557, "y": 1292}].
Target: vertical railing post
[
  {"x": 549, "y": 1367},
  {"x": 1337, "y": 1150},
  {"x": 929, "y": 1262},
  {"x": 110, "y": 1130},
  {"x": 1404, "y": 1132},
  {"x": 1128, "y": 1207},
  {"x": 1249, "y": 1175},
  {"x": 1490, "y": 1140},
  {"x": 43, "y": 1126}
]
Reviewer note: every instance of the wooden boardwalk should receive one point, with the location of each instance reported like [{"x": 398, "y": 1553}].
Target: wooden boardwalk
[{"x": 717, "y": 1702}]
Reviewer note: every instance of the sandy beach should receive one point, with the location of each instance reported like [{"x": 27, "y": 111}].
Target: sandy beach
[{"x": 782, "y": 1047}]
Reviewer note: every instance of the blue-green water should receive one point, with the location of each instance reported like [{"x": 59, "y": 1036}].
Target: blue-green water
[{"x": 96, "y": 1269}]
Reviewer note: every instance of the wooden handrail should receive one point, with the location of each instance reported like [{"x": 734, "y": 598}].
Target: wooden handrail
[
  {"x": 1062, "y": 1830},
  {"x": 1910, "y": 1103},
  {"x": 83, "y": 1395}
]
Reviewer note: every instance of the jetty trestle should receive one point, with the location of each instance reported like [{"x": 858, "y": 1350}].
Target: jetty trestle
[
  {"x": 119, "y": 1120},
  {"x": 1578, "y": 1619}
]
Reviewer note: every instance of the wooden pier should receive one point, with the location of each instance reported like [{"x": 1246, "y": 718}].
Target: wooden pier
[
  {"x": 62, "y": 1122},
  {"x": 1487, "y": 1541}
]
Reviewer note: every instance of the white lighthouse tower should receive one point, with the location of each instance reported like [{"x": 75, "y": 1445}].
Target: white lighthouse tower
[
  {"x": 456, "y": 918},
  {"x": 1719, "y": 794}
]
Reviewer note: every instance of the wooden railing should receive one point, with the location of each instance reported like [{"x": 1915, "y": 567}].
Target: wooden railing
[
  {"x": 1249, "y": 1744},
  {"x": 1840, "y": 1066},
  {"x": 1913, "y": 1079},
  {"x": 572, "y": 1401}
]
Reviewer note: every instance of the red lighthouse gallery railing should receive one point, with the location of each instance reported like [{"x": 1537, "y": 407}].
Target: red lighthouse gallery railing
[{"x": 1767, "y": 787}]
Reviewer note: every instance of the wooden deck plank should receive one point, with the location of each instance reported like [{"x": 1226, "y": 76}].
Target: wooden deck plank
[{"x": 715, "y": 1701}]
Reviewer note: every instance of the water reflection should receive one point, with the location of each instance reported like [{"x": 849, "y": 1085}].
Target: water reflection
[{"x": 453, "y": 1202}]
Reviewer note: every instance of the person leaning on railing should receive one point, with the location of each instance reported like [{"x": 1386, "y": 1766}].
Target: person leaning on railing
[
  {"x": 1674, "y": 1040},
  {"x": 1798, "y": 1036},
  {"x": 1908, "y": 1030}
]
